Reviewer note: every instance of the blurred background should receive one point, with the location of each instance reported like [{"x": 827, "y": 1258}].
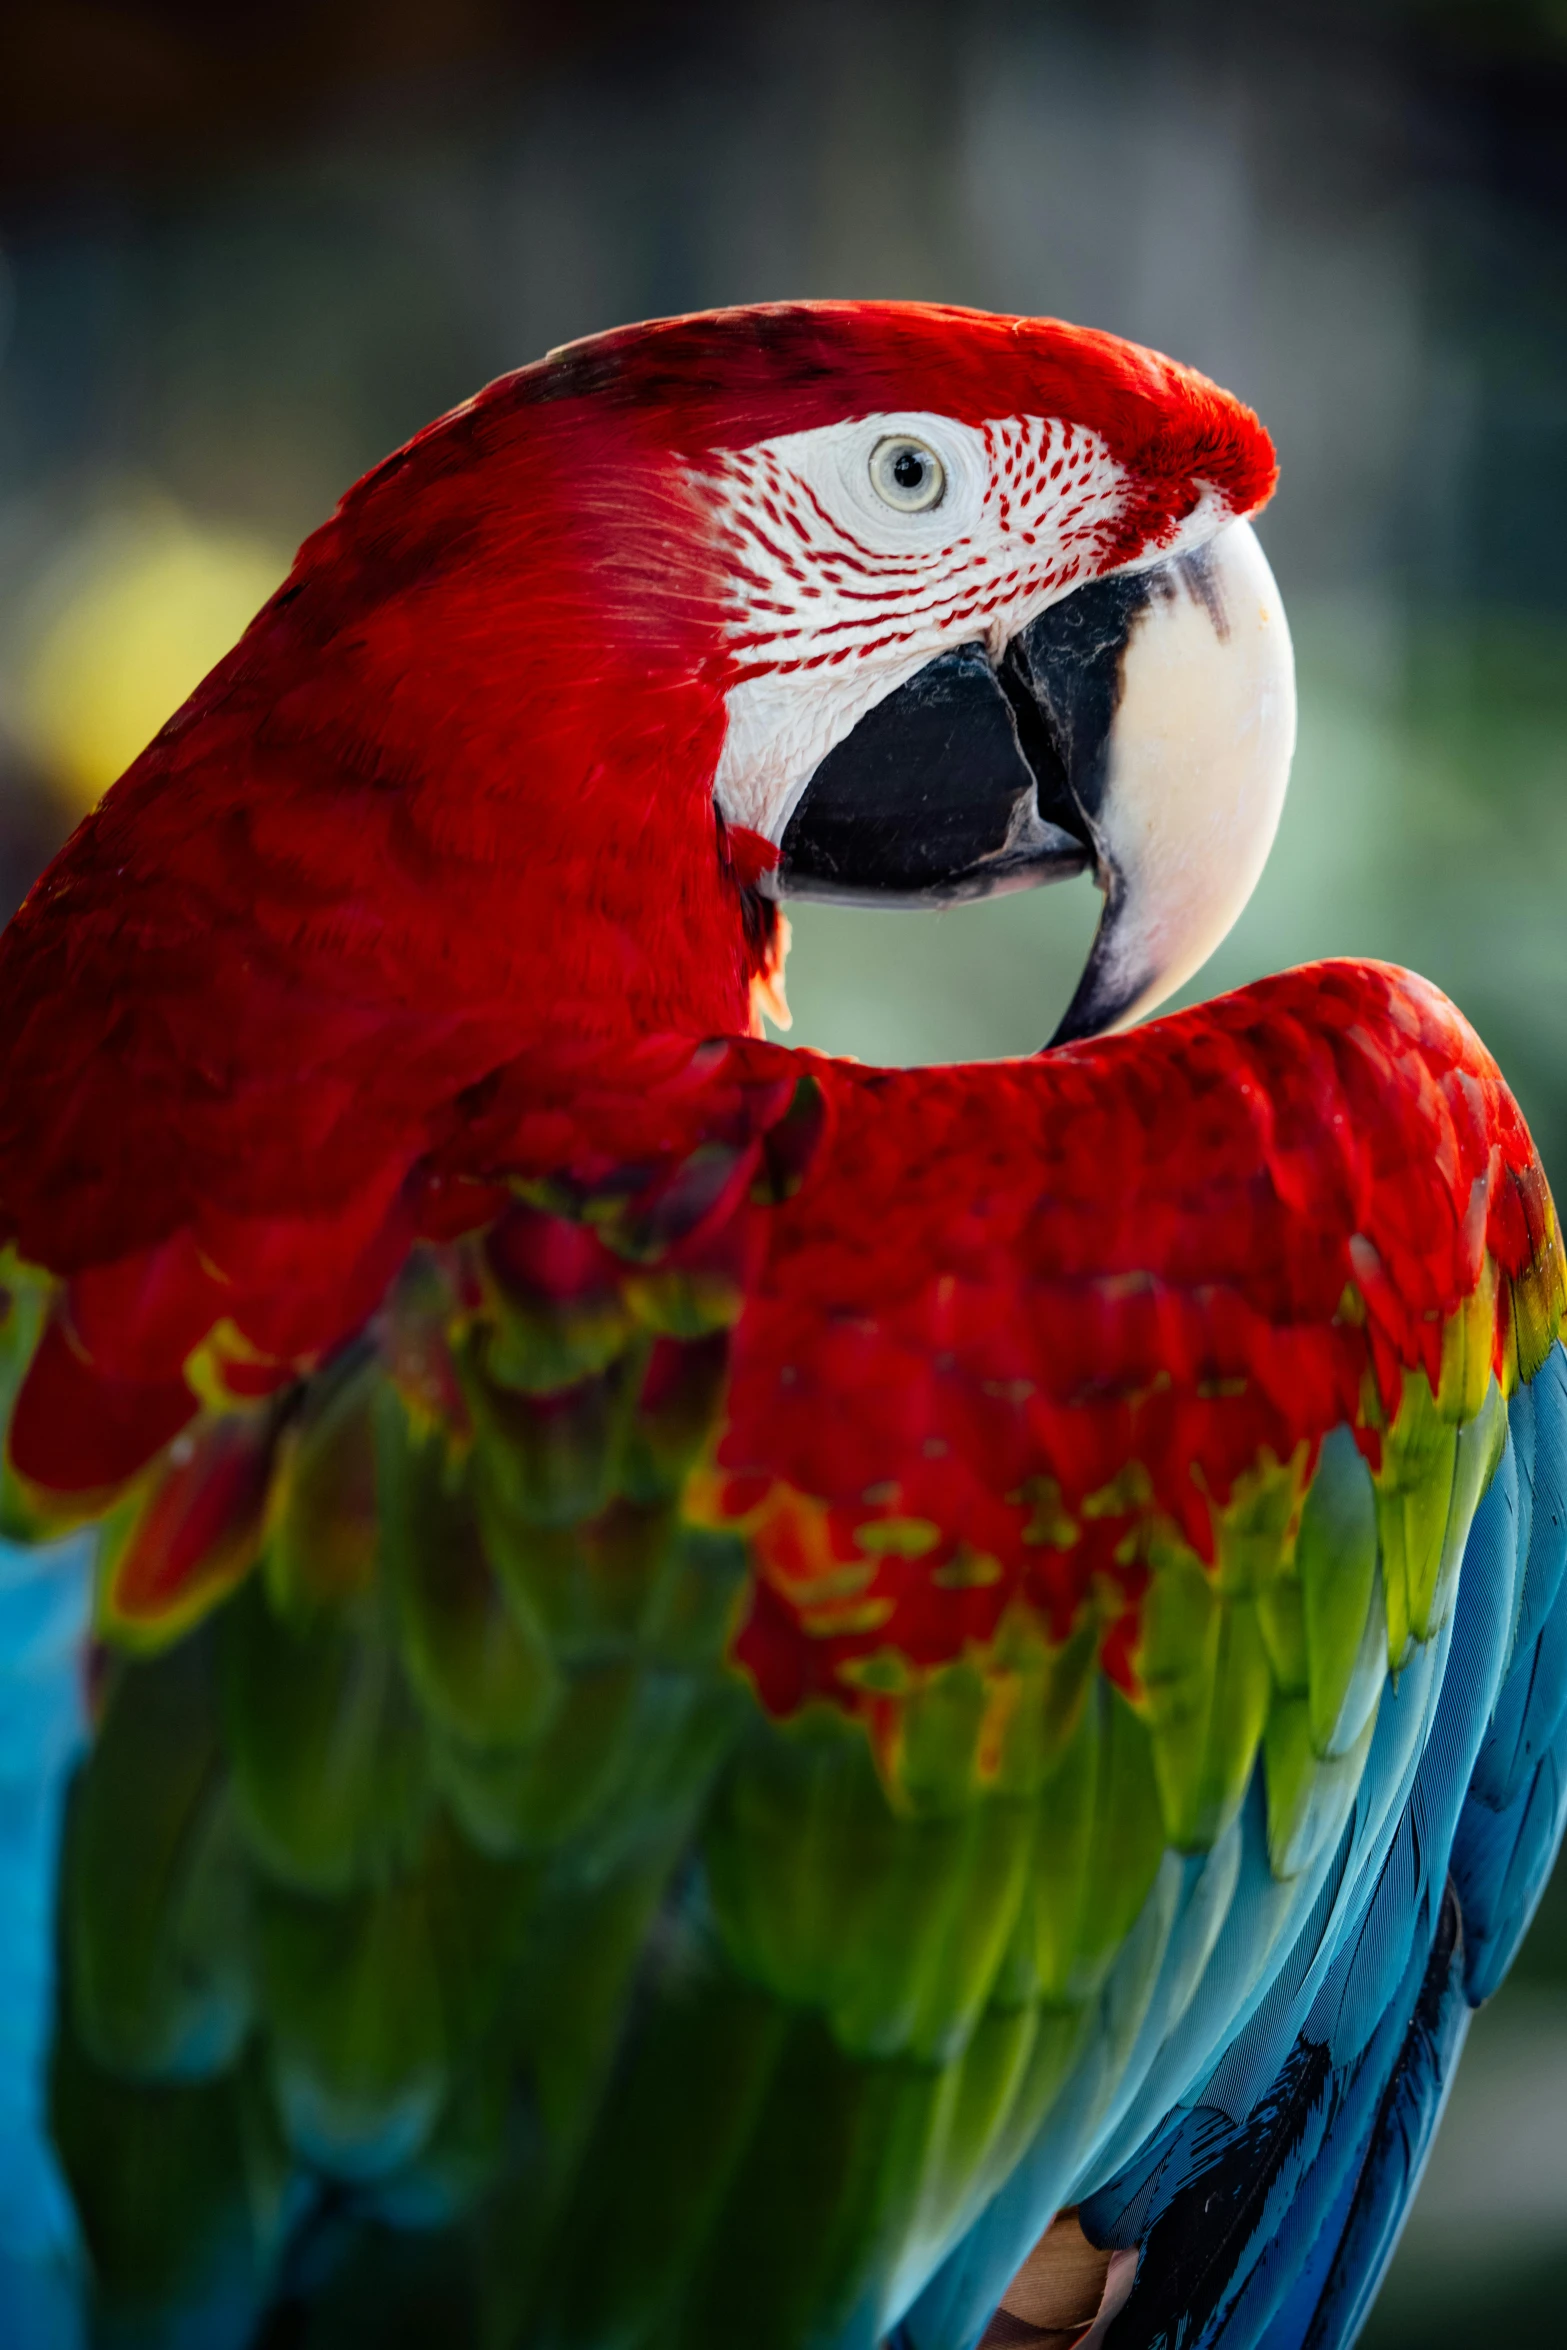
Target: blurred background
[{"x": 244, "y": 251}]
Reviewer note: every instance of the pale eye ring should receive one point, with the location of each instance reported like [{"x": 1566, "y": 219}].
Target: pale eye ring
[{"x": 907, "y": 474}]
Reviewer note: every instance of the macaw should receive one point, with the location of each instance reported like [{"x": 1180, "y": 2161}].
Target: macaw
[{"x": 663, "y": 1693}]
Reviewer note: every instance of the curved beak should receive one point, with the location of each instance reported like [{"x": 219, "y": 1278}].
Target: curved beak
[{"x": 1141, "y": 728}]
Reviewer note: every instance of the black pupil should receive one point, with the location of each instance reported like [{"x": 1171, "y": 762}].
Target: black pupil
[{"x": 908, "y": 469}]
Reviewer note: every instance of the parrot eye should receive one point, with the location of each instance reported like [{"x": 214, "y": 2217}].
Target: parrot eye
[{"x": 907, "y": 474}]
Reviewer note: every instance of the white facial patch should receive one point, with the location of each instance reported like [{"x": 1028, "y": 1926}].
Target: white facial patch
[{"x": 838, "y": 597}]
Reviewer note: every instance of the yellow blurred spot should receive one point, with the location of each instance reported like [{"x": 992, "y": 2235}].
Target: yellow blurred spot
[{"x": 136, "y": 611}]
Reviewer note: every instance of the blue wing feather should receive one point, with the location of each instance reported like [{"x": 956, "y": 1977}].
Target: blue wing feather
[
  {"x": 45, "y": 1601},
  {"x": 1266, "y": 2212},
  {"x": 1512, "y": 1818}
]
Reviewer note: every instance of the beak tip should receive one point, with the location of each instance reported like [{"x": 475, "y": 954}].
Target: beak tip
[{"x": 1096, "y": 1010}]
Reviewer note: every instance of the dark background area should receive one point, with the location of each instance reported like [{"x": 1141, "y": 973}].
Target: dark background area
[{"x": 246, "y": 250}]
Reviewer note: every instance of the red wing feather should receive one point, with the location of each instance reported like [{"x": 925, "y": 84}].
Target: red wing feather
[{"x": 988, "y": 1323}]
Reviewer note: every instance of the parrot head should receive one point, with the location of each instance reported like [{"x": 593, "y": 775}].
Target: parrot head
[
  {"x": 994, "y": 616},
  {"x": 880, "y": 602}
]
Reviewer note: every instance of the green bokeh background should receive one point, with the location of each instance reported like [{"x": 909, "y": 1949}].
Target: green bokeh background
[{"x": 245, "y": 252}]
